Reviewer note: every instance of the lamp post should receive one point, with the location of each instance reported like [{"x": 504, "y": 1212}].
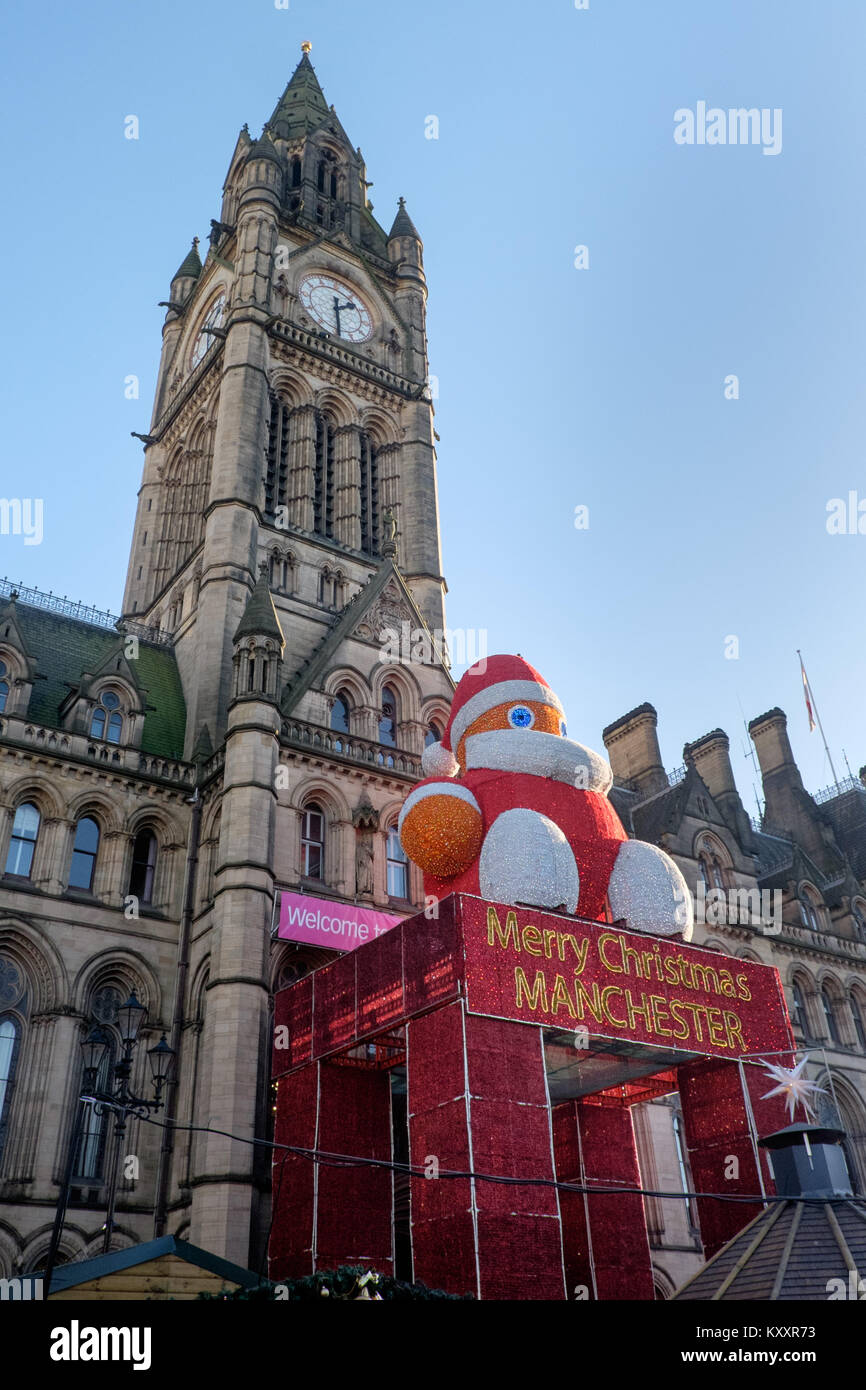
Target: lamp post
[{"x": 117, "y": 1097}]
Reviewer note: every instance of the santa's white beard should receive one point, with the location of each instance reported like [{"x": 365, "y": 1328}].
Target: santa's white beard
[{"x": 543, "y": 755}]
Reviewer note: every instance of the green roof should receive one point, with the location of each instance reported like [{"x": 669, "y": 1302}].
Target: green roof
[
  {"x": 191, "y": 266},
  {"x": 302, "y": 107},
  {"x": 69, "y": 1276},
  {"x": 64, "y": 648}
]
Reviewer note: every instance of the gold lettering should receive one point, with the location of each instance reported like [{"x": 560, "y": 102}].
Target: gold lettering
[
  {"x": 726, "y": 980},
  {"x": 531, "y": 939},
  {"x": 536, "y": 998},
  {"x": 676, "y": 1015},
  {"x": 745, "y": 992},
  {"x": 643, "y": 1009},
  {"x": 701, "y": 975},
  {"x": 660, "y": 1011},
  {"x": 605, "y": 995},
  {"x": 718, "y": 1032},
  {"x": 735, "y": 1030},
  {"x": 602, "y": 942},
  {"x": 630, "y": 951},
  {"x": 671, "y": 973},
  {"x": 494, "y": 927},
  {"x": 581, "y": 997},
  {"x": 561, "y": 996},
  {"x": 549, "y": 934}
]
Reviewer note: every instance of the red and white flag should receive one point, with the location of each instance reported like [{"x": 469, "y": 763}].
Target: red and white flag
[{"x": 808, "y": 696}]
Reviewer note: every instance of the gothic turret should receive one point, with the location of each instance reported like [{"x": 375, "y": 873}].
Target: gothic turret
[{"x": 258, "y": 647}]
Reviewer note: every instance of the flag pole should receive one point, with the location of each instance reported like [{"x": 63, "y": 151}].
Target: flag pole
[{"x": 811, "y": 695}]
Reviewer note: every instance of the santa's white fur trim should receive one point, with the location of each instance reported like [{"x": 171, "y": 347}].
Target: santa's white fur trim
[
  {"x": 439, "y": 761},
  {"x": 544, "y": 755}
]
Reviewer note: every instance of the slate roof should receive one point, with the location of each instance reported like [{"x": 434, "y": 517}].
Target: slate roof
[
  {"x": 69, "y": 1276},
  {"x": 403, "y": 224},
  {"x": 191, "y": 266},
  {"x": 302, "y": 107},
  {"x": 790, "y": 1251},
  {"x": 64, "y": 648}
]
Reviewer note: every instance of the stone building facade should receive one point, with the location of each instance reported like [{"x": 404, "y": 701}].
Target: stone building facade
[
  {"x": 246, "y": 728},
  {"x": 789, "y": 891}
]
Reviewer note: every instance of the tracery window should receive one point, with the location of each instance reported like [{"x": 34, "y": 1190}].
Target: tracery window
[
  {"x": 369, "y": 496},
  {"x": 144, "y": 848},
  {"x": 388, "y": 718},
  {"x": 4, "y": 685},
  {"x": 107, "y": 720},
  {"x": 313, "y": 842},
  {"x": 397, "y": 866},
  {"x": 84, "y": 851},
  {"x": 22, "y": 845}
]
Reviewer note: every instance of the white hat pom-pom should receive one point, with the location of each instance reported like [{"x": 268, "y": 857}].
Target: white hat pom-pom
[{"x": 439, "y": 761}]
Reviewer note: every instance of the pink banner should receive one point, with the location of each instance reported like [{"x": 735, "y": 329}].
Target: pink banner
[{"x": 339, "y": 926}]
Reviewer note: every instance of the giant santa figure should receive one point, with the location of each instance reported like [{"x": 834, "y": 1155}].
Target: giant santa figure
[{"x": 514, "y": 811}]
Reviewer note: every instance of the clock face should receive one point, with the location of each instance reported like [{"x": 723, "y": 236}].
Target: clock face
[
  {"x": 336, "y": 307},
  {"x": 212, "y": 319}
]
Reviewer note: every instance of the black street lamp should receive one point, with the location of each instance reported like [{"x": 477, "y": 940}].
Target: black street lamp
[{"x": 118, "y": 1097}]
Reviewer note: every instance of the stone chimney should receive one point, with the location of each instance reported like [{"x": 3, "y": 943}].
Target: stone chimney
[
  {"x": 788, "y": 806},
  {"x": 769, "y": 733},
  {"x": 633, "y": 749},
  {"x": 711, "y": 758}
]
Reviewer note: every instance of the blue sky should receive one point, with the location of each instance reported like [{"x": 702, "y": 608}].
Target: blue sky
[{"x": 559, "y": 387}]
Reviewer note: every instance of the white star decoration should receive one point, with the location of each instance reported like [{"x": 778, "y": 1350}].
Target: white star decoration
[{"x": 796, "y": 1089}]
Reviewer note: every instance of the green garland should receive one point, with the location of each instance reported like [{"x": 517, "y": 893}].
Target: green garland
[{"x": 348, "y": 1284}]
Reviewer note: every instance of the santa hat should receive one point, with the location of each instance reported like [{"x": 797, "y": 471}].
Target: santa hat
[{"x": 495, "y": 680}]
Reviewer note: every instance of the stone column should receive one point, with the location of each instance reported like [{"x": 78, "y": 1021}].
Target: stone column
[
  {"x": 347, "y": 486},
  {"x": 302, "y": 466}
]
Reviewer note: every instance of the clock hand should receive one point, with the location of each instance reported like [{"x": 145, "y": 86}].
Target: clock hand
[{"x": 338, "y": 308}]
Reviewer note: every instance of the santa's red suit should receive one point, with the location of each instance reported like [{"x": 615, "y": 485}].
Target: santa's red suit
[{"x": 528, "y": 819}]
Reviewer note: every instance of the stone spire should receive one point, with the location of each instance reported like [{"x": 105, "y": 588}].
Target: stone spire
[
  {"x": 302, "y": 107},
  {"x": 403, "y": 224},
  {"x": 260, "y": 616}
]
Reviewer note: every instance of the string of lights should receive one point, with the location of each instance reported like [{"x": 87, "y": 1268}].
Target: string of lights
[{"x": 332, "y": 1160}]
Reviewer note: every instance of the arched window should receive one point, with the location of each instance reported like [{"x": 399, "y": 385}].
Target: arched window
[
  {"x": 340, "y": 713},
  {"x": 710, "y": 864},
  {"x": 277, "y": 475},
  {"x": 10, "y": 1043},
  {"x": 143, "y": 866},
  {"x": 296, "y": 172},
  {"x": 313, "y": 842},
  {"x": 369, "y": 496},
  {"x": 398, "y": 868},
  {"x": 90, "y": 1157},
  {"x": 858, "y": 1019},
  {"x": 801, "y": 1017},
  {"x": 829, "y": 1006},
  {"x": 323, "y": 494},
  {"x": 810, "y": 909},
  {"x": 4, "y": 685},
  {"x": 22, "y": 845},
  {"x": 84, "y": 851},
  {"x": 433, "y": 735},
  {"x": 107, "y": 721},
  {"x": 859, "y": 914},
  {"x": 388, "y": 718}
]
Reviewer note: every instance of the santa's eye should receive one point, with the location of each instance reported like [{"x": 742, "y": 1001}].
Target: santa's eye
[
  {"x": 519, "y": 717},
  {"x": 562, "y": 728}
]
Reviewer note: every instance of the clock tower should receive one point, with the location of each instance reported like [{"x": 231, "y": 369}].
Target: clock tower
[
  {"x": 292, "y": 410},
  {"x": 287, "y": 530}
]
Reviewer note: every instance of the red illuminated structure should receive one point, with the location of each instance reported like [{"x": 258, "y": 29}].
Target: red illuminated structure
[{"x": 524, "y": 1038}]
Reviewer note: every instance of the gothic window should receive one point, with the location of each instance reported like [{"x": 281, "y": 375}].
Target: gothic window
[
  {"x": 340, "y": 713},
  {"x": 22, "y": 845},
  {"x": 90, "y": 1156},
  {"x": 323, "y": 496},
  {"x": 10, "y": 1044},
  {"x": 84, "y": 851},
  {"x": 433, "y": 735},
  {"x": 143, "y": 866},
  {"x": 296, "y": 172},
  {"x": 107, "y": 721},
  {"x": 682, "y": 1164},
  {"x": 388, "y": 718},
  {"x": 801, "y": 1017},
  {"x": 277, "y": 477},
  {"x": 369, "y": 496},
  {"x": 810, "y": 908},
  {"x": 398, "y": 868},
  {"x": 711, "y": 867},
  {"x": 829, "y": 1007},
  {"x": 858, "y": 1018},
  {"x": 4, "y": 685},
  {"x": 184, "y": 498},
  {"x": 313, "y": 842},
  {"x": 282, "y": 569},
  {"x": 859, "y": 915}
]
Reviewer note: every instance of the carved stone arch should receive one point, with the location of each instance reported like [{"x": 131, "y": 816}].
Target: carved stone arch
[
  {"x": 10, "y": 1251},
  {"x": 333, "y": 402},
  {"x": 709, "y": 840},
  {"x": 330, "y": 798},
  {"x": 797, "y": 971},
  {"x": 127, "y": 971},
  {"x": 165, "y": 824},
  {"x": 99, "y": 807},
  {"x": 380, "y": 426},
  {"x": 290, "y": 387},
  {"x": 35, "y": 1250},
  {"x": 38, "y": 959},
  {"x": 713, "y": 945},
  {"x": 746, "y": 954},
  {"x": 436, "y": 710},
  {"x": 406, "y": 685},
  {"x": 198, "y": 985},
  {"x": 843, "y": 1103},
  {"x": 310, "y": 957},
  {"x": 212, "y": 819},
  {"x": 348, "y": 678},
  {"x": 35, "y": 787},
  {"x": 121, "y": 1239},
  {"x": 123, "y": 688}
]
